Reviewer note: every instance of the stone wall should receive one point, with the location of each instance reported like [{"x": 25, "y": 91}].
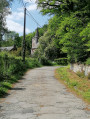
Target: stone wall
[{"x": 80, "y": 67}]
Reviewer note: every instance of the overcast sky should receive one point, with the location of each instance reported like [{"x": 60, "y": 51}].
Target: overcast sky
[{"x": 15, "y": 19}]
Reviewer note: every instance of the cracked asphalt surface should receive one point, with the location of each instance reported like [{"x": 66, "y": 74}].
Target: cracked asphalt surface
[{"x": 40, "y": 96}]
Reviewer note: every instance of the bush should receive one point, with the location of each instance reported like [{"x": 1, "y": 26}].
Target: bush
[
  {"x": 17, "y": 52},
  {"x": 32, "y": 62},
  {"x": 6, "y": 85},
  {"x": 61, "y": 61},
  {"x": 3, "y": 91}
]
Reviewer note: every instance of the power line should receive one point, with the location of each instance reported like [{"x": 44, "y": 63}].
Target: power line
[
  {"x": 29, "y": 14},
  {"x": 33, "y": 18}
]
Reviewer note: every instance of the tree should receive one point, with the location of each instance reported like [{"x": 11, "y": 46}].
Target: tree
[
  {"x": 71, "y": 18},
  {"x": 72, "y": 42},
  {"x": 4, "y": 10},
  {"x": 63, "y": 6},
  {"x": 85, "y": 34},
  {"x": 17, "y": 40}
]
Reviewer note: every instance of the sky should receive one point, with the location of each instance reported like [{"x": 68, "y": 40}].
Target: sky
[{"x": 15, "y": 20}]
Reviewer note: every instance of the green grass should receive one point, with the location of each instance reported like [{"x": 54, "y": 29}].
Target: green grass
[
  {"x": 81, "y": 74},
  {"x": 78, "y": 85},
  {"x": 88, "y": 76}
]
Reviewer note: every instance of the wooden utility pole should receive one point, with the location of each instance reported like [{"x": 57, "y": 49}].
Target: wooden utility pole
[{"x": 24, "y": 43}]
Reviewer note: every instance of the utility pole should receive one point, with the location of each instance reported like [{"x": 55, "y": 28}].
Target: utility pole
[{"x": 24, "y": 43}]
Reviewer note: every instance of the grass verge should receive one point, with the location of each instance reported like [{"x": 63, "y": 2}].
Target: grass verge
[{"x": 79, "y": 86}]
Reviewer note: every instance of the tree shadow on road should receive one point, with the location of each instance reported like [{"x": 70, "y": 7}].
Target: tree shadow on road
[
  {"x": 18, "y": 88},
  {"x": 4, "y": 96}
]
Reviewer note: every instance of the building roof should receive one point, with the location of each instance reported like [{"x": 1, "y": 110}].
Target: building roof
[{"x": 6, "y": 48}]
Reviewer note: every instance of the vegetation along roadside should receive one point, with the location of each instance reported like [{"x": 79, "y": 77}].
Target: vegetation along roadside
[
  {"x": 11, "y": 70},
  {"x": 78, "y": 85}
]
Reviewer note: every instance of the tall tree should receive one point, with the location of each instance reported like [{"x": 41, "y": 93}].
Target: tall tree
[
  {"x": 4, "y": 10},
  {"x": 71, "y": 26}
]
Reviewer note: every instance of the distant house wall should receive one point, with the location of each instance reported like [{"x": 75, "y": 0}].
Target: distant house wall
[
  {"x": 11, "y": 48},
  {"x": 80, "y": 67}
]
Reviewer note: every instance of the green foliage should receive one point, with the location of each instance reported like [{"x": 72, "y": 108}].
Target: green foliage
[
  {"x": 85, "y": 34},
  {"x": 61, "y": 61},
  {"x": 52, "y": 52},
  {"x": 12, "y": 68},
  {"x": 45, "y": 61},
  {"x": 68, "y": 29},
  {"x": 18, "y": 41},
  {"x": 3, "y": 91},
  {"x": 42, "y": 30},
  {"x": 88, "y": 61},
  {"x": 74, "y": 83},
  {"x": 11, "y": 38},
  {"x": 17, "y": 52},
  {"x": 73, "y": 44},
  {"x": 47, "y": 47},
  {"x": 7, "y": 43},
  {"x": 6, "y": 85},
  {"x": 63, "y": 6},
  {"x": 4, "y": 11}
]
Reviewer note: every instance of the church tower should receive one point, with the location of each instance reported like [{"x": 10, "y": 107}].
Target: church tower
[
  {"x": 37, "y": 35},
  {"x": 35, "y": 42}
]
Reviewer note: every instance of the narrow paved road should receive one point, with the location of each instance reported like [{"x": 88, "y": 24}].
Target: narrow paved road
[{"x": 40, "y": 96}]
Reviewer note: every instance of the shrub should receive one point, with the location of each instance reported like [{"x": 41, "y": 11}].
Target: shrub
[
  {"x": 61, "y": 61},
  {"x": 6, "y": 85},
  {"x": 3, "y": 91},
  {"x": 17, "y": 52}
]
